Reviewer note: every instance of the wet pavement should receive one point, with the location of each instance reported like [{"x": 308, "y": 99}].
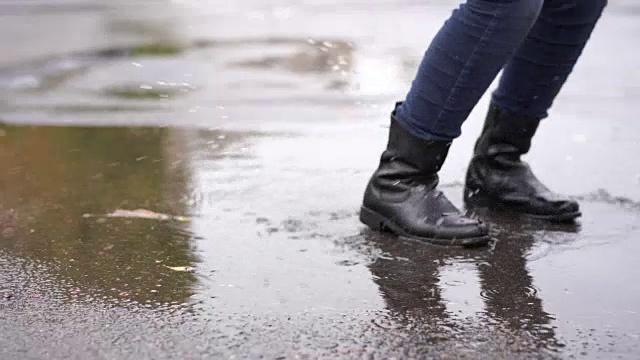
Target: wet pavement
[{"x": 182, "y": 180}]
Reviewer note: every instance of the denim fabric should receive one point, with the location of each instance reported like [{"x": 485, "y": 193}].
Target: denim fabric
[{"x": 537, "y": 42}]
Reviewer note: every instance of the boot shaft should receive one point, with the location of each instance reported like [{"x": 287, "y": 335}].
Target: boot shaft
[
  {"x": 426, "y": 156},
  {"x": 505, "y": 136},
  {"x": 408, "y": 161}
]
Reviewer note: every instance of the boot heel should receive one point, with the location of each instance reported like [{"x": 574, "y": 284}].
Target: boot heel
[{"x": 373, "y": 220}]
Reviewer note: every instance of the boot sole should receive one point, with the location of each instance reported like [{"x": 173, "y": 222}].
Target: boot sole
[
  {"x": 377, "y": 222},
  {"x": 481, "y": 200}
]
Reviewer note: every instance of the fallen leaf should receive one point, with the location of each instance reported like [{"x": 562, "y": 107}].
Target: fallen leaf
[
  {"x": 140, "y": 214},
  {"x": 181, "y": 268}
]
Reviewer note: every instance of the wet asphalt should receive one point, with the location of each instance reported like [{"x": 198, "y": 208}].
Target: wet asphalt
[{"x": 182, "y": 180}]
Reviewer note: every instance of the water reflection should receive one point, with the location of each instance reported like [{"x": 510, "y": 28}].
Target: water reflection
[
  {"x": 308, "y": 56},
  {"x": 160, "y": 23},
  {"x": 52, "y": 177},
  {"x": 414, "y": 281}
]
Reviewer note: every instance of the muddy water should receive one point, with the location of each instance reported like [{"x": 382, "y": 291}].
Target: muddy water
[{"x": 183, "y": 180}]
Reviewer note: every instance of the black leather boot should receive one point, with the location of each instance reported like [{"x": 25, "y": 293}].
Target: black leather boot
[
  {"x": 498, "y": 179},
  {"x": 401, "y": 197}
]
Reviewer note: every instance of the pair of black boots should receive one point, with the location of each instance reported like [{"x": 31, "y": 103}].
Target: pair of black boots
[{"x": 402, "y": 198}]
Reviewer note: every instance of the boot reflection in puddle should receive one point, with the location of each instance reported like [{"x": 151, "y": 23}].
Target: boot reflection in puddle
[
  {"x": 407, "y": 274},
  {"x": 508, "y": 292},
  {"x": 412, "y": 281}
]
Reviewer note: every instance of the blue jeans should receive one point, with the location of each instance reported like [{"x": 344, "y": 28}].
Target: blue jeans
[{"x": 536, "y": 42}]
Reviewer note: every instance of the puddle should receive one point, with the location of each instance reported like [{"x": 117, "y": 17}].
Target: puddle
[
  {"x": 311, "y": 57},
  {"x": 225, "y": 222},
  {"x": 55, "y": 176},
  {"x": 159, "y": 90},
  {"x": 203, "y": 76}
]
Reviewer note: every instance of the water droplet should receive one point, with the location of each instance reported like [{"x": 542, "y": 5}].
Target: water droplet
[
  {"x": 22, "y": 82},
  {"x": 579, "y": 138},
  {"x": 282, "y": 12}
]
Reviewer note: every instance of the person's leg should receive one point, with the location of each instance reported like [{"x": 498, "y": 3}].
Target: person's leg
[
  {"x": 539, "y": 68},
  {"x": 461, "y": 63},
  {"x": 530, "y": 82}
]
